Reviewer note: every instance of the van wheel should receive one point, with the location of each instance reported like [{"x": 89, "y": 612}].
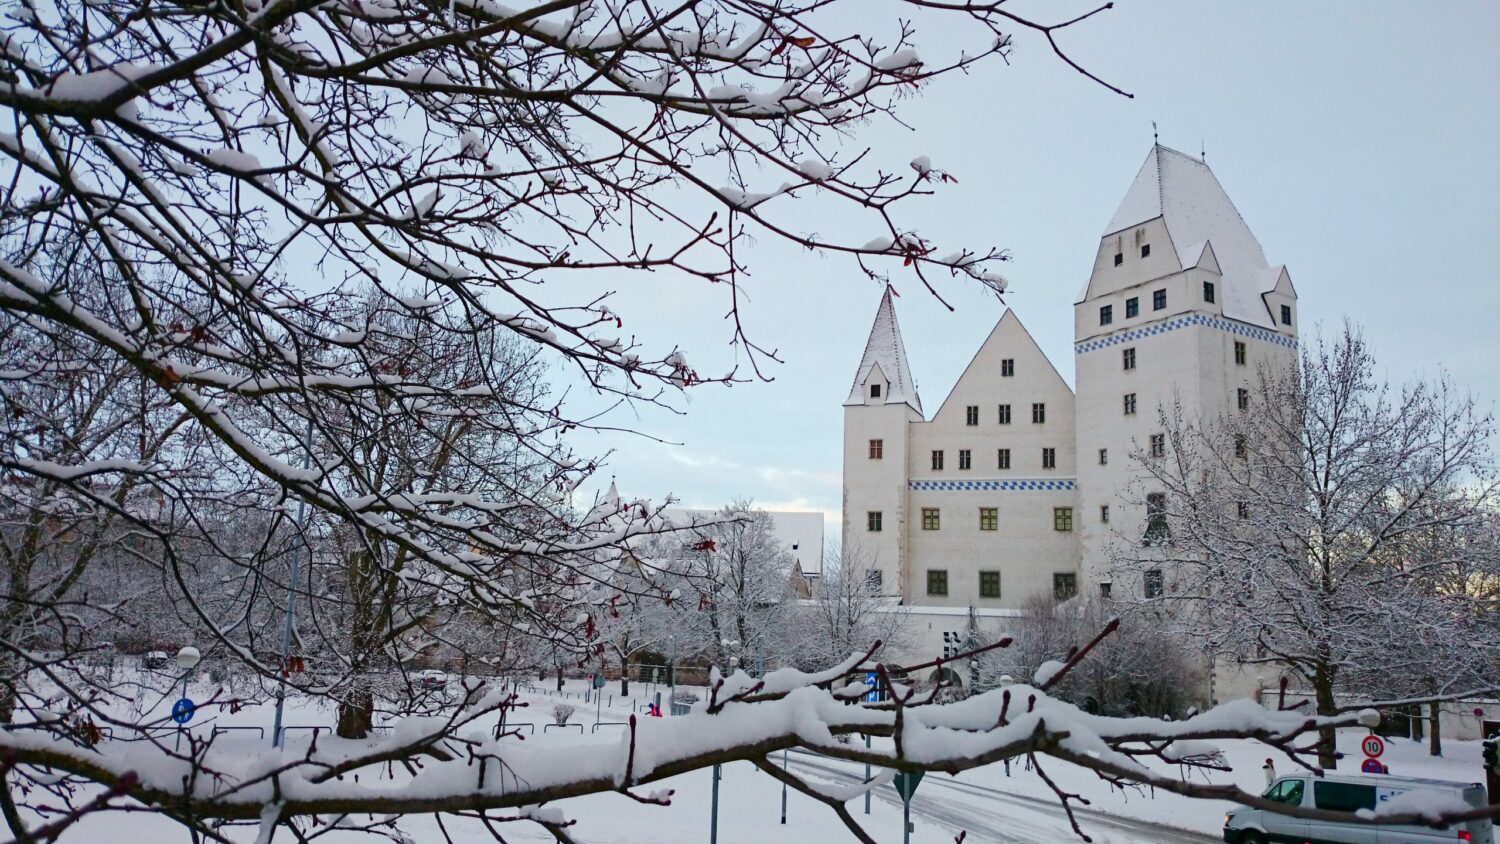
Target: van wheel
[{"x": 1252, "y": 837}]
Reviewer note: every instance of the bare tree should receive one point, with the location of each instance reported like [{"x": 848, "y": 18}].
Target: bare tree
[
  {"x": 1295, "y": 534},
  {"x": 1143, "y": 669},
  {"x": 847, "y": 611},
  {"x": 736, "y": 587}
]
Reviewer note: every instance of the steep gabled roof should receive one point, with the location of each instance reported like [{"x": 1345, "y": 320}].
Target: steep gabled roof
[
  {"x": 886, "y": 350},
  {"x": 1185, "y": 194}
]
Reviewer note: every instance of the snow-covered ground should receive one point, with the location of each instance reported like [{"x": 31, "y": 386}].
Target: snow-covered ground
[{"x": 989, "y": 804}]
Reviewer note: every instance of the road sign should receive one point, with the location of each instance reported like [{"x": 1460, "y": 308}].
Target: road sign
[
  {"x": 182, "y": 711},
  {"x": 873, "y": 694},
  {"x": 599, "y": 681},
  {"x": 1372, "y": 766},
  {"x": 906, "y": 784},
  {"x": 1372, "y": 745}
]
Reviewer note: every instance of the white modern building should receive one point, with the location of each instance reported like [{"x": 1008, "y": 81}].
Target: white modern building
[{"x": 1017, "y": 484}]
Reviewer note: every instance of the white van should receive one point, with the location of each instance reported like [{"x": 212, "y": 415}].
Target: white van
[{"x": 1350, "y": 793}]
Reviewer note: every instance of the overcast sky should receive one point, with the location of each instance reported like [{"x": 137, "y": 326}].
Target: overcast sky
[{"x": 1358, "y": 140}]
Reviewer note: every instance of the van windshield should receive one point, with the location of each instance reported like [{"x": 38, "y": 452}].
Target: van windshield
[{"x": 1286, "y": 791}]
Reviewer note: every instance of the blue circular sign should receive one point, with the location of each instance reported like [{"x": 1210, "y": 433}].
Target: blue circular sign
[{"x": 182, "y": 711}]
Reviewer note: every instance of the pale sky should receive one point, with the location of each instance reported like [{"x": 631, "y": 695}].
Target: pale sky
[{"x": 1360, "y": 142}]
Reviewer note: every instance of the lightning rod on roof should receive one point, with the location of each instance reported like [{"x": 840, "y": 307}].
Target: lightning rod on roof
[
  {"x": 1202, "y": 151},
  {"x": 1155, "y": 139}
]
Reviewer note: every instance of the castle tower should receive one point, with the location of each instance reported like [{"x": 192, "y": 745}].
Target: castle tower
[
  {"x": 881, "y": 403},
  {"x": 1181, "y": 309}
]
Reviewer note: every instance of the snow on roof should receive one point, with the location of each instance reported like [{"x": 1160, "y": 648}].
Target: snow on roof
[
  {"x": 886, "y": 350},
  {"x": 1184, "y": 192}
]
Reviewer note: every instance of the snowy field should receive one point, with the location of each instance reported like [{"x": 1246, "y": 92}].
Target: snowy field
[{"x": 989, "y": 804}]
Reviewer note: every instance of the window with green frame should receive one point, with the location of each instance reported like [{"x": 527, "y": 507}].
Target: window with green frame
[
  {"x": 930, "y": 518},
  {"x": 1062, "y": 518},
  {"x": 989, "y": 584},
  {"x": 937, "y": 581},
  {"x": 989, "y": 518},
  {"x": 1064, "y": 585}
]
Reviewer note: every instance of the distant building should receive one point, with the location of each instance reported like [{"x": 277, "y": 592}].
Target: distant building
[{"x": 1018, "y": 485}]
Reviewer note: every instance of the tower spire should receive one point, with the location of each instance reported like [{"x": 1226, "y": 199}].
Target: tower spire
[{"x": 885, "y": 350}]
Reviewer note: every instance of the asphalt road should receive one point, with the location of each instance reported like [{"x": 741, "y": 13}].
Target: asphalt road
[{"x": 993, "y": 816}]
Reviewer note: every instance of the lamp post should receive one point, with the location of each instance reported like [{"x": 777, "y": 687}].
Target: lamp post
[
  {"x": 187, "y": 660},
  {"x": 713, "y": 829},
  {"x": 1005, "y": 682},
  {"x": 291, "y": 598}
]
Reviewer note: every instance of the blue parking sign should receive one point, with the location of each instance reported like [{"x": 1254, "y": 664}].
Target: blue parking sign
[{"x": 873, "y": 694}]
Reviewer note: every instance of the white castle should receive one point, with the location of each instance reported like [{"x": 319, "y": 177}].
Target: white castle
[{"x": 1018, "y": 485}]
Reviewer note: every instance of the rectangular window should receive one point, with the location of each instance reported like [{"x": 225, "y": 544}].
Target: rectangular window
[
  {"x": 1242, "y": 509},
  {"x": 1103, "y": 514},
  {"x": 1132, "y": 307},
  {"x": 1343, "y": 796},
  {"x": 1049, "y": 458},
  {"x": 1145, "y": 250},
  {"x": 937, "y": 459},
  {"x": 1106, "y": 314},
  {"x": 1119, "y": 258},
  {"x": 1157, "y": 532},
  {"x": 1127, "y": 357},
  {"x": 1104, "y": 590},
  {"x": 1038, "y": 413},
  {"x": 989, "y": 584},
  {"x": 1007, "y": 367},
  {"x": 1103, "y": 457},
  {"x": 937, "y": 581},
  {"x": 1241, "y": 447},
  {"x": 872, "y": 521},
  {"x": 1004, "y": 414},
  {"x": 1239, "y": 353},
  {"x": 1003, "y": 461},
  {"x": 1208, "y": 292},
  {"x": 1242, "y": 398},
  {"x": 1286, "y": 314},
  {"x": 971, "y": 415},
  {"x": 1158, "y": 445},
  {"x": 931, "y": 519},
  {"x": 874, "y": 391},
  {"x": 1152, "y": 584},
  {"x": 877, "y": 449},
  {"x": 1159, "y": 300},
  {"x": 989, "y": 518},
  {"x": 874, "y": 579},
  {"x": 1130, "y": 404},
  {"x": 963, "y": 458},
  {"x": 1062, "y": 519},
  {"x": 1064, "y": 585}
]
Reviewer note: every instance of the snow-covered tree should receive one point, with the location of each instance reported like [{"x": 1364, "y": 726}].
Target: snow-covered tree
[
  {"x": 1299, "y": 531},
  {"x": 846, "y": 612},
  {"x": 245, "y": 169},
  {"x": 736, "y": 590}
]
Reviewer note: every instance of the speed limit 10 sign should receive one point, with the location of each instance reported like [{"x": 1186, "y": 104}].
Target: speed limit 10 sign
[{"x": 1372, "y": 746}]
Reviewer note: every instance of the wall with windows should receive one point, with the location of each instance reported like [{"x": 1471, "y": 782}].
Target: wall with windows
[{"x": 996, "y": 519}]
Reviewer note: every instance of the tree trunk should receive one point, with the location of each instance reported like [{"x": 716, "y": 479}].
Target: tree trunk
[
  {"x": 356, "y": 714},
  {"x": 559, "y": 678},
  {"x": 1435, "y": 735},
  {"x": 624, "y": 681},
  {"x": 1327, "y": 736}
]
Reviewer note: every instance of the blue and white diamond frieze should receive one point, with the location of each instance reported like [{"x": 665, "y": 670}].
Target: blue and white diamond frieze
[
  {"x": 1229, "y": 325},
  {"x": 1019, "y": 485}
]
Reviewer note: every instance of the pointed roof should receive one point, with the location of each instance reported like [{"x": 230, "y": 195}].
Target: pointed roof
[
  {"x": 885, "y": 350},
  {"x": 1185, "y": 194}
]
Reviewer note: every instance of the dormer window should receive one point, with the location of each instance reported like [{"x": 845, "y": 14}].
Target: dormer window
[
  {"x": 874, "y": 391},
  {"x": 1208, "y": 292},
  {"x": 1119, "y": 258},
  {"x": 1286, "y": 314},
  {"x": 1145, "y": 250}
]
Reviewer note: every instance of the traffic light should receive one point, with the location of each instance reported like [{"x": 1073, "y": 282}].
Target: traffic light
[{"x": 1492, "y": 756}]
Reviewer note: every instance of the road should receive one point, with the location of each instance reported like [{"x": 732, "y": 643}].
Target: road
[{"x": 991, "y": 815}]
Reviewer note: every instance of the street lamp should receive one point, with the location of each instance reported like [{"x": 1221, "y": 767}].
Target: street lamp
[
  {"x": 187, "y": 660},
  {"x": 713, "y": 830}
]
